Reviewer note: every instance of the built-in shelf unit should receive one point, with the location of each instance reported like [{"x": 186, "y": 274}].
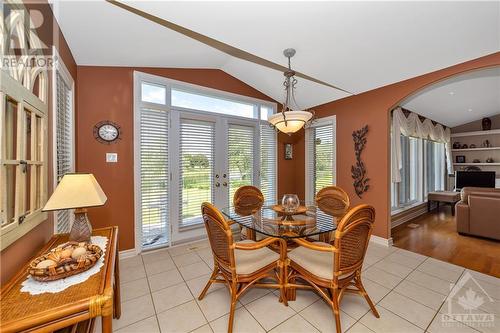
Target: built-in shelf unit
[
  {"x": 484, "y": 164},
  {"x": 476, "y": 133},
  {"x": 479, "y": 152}
]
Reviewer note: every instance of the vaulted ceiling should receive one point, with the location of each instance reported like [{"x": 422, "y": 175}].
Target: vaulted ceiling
[
  {"x": 357, "y": 46},
  {"x": 460, "y": 99}
]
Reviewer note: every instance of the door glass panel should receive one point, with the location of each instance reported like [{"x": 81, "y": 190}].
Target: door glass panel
[
  {"x": 240, "y": 157},
  {"x": 154, "y": 177},
  {"x": 197, "y": 149}
]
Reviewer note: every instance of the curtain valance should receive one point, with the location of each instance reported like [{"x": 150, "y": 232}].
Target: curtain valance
[{"x": 412, "y": 126}]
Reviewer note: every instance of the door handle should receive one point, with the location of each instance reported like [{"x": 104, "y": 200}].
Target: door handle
[
  {"x": 224, "y": 184},
  {"x": 217, "y": 184}
]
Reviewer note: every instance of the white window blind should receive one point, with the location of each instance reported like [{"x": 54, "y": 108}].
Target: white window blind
[
  {"x": 240, "y": 141},
  {"x": 154, "y": 177},
  {"x": 64, "y": 144},
  {"x": 197, "y": 149},
  {"x": 321, "y": 158},
  {"x": 435, "y": 166},
  {"x": 268, "y": 162}
]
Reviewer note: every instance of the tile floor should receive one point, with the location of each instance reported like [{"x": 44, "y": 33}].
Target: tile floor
[{"x": 160, "y": 289}]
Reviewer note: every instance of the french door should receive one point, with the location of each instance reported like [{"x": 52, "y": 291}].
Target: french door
[
  {"x": 214, "y": 155},
  {"x": 194, "y": 144}
]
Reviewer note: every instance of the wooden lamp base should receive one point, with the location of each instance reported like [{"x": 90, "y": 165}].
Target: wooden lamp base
[{"x": 81, "y": 229}]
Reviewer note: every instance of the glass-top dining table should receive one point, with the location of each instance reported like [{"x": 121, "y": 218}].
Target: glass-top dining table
[{"x": 272, "y": 220}]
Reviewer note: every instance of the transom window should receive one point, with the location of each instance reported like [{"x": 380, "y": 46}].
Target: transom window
[{"x": 196, "y": 101}]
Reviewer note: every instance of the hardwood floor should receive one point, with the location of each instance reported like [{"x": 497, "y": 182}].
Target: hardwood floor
[{"x": 437, "y": 237}]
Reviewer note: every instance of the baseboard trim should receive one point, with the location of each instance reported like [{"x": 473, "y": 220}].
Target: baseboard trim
[
  {"x": 381, "y": 241},
  {"x": 410, "y": 214},
  {"x": 128, "y": 253},
  {"x": 132, "y": 252}
]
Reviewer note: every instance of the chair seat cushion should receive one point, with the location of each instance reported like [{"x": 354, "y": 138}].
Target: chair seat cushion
[
  {"x": 318, "y": 263},
  {"x": 250, "y": 261}
]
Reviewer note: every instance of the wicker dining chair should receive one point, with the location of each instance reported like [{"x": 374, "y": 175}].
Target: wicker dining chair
[
  {"x": 241, "y": 265},
  {"x": 248, "y": 198},
  {"x": 333, "y": 270},
  {"x": 333, "y": 200},
  {"x": 246, "y": 201}
]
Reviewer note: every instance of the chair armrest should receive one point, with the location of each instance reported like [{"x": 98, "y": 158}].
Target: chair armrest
[
  {"x": 263, "y": 243},
  {"x": 462, "y": 212},
  {"x": 313, "y": 246}
]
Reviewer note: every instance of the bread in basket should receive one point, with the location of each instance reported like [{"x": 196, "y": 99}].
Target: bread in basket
[{"x": 64, "y": 260}]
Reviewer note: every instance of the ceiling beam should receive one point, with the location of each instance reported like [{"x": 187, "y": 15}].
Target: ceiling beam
[{"x": 223, "y": 47}]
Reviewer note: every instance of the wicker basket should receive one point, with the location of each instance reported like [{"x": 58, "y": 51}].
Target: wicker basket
[{"x": 65, "y": 266}]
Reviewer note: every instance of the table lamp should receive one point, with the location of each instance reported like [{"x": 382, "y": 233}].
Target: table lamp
[{"x": 78, "y": 191}]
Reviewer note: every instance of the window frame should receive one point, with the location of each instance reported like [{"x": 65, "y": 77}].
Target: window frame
[
  {"x": 309, "y": 186},
  {"x": 61, "y": 69}
]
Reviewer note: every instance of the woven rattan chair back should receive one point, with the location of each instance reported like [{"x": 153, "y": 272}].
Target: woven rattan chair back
[
  {"x": 351, "y": 238},
  {"x": 333, "y": 200},
  {"x": 220, "y": 237},
  {"x": 248, "y": 198}
]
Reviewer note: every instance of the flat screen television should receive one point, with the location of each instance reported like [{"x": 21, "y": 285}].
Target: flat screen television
[{"x": 474, "y": 179}]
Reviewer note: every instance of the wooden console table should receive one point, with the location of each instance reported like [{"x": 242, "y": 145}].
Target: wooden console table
[{"x": 97, "y": 296}]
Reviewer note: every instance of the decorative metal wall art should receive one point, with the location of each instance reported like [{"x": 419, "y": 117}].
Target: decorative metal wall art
[{"x": 358, "y": 171}]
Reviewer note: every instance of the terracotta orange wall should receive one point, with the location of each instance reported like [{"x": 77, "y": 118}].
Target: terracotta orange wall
[
  {"x": 13, "y": 257},
  {"x": 291, "y": 173},
  {"x": 106, "y": 93},
  {"x": 373, "y": 108}
]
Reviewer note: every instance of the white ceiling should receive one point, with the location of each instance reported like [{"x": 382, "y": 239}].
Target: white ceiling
[
  {"x": 357, "y": 46},
  {"x": 460, "y": 99}
]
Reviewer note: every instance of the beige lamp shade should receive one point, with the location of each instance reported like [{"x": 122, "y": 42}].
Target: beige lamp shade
[{"x": 76, "y": 190}]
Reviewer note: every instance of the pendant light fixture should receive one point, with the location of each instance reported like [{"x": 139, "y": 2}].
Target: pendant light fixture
[{"x": 290, "y": 119}]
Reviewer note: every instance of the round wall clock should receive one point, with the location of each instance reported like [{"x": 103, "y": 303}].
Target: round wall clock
[{"x": 107, "y": 132}]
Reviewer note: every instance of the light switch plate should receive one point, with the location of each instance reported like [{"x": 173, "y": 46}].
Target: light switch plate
[{"x": 111, "y": 157}]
